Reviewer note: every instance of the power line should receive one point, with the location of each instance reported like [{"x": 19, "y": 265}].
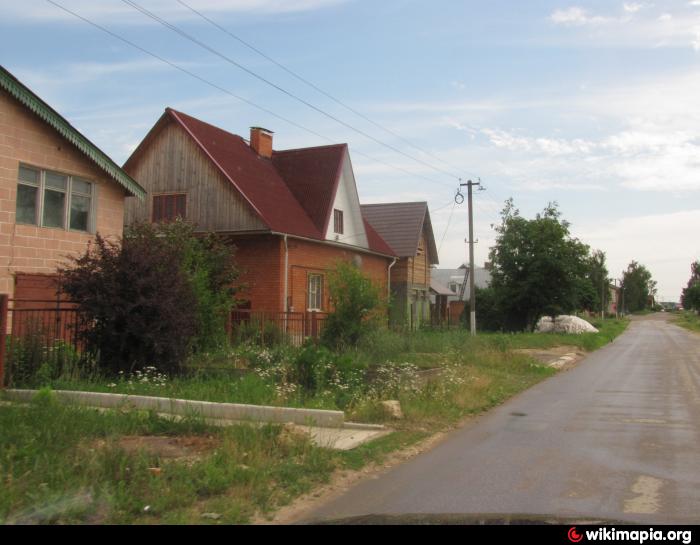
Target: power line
[
  {"x": 447, "y": 228},
  {"x": 281, "y": 89},
  {"x": 316, "y": 87},
  {"x": 230, "y": 93}
]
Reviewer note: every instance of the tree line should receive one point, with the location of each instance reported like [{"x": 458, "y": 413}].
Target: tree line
[{"x": 539, "y": 269}]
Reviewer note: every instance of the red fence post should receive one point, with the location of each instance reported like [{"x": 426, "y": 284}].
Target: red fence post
[
  {"x": 4, "y": 300},
  {"x": 314, "y": 326}
]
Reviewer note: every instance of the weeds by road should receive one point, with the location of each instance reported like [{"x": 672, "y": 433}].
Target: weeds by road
[
  {"x": 62, "y": 464},
  {"x": 688, "y": 320}
]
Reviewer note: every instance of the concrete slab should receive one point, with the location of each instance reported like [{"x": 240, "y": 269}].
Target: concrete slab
[
  {"x": 342, "y": 439},
  {"x": 188, "y": 407},
  {"x": 346, "y": 436}
]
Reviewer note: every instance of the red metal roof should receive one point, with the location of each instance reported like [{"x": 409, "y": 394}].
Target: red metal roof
[
  {"x": 376, "y": 242},
  {"x": 312, "y": 174},
  {"x": 293, "y": 192},
  {"x": 255, "y": 177}
]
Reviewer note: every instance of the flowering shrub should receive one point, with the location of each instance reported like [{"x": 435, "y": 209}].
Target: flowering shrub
[
  {"x": 393, "y": 379},
  {"x": 149, "y": 376}
]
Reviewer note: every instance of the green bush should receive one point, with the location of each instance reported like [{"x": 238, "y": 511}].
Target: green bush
[
  {"x": 36, "y": 359},
  {"x": 356, "y": 302},
  {"x": 153, "y": 297}
]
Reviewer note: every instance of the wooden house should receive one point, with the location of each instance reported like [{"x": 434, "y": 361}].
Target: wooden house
[
  {"x": 406, "y": 227},
  {"x": 291, "y": 215}
]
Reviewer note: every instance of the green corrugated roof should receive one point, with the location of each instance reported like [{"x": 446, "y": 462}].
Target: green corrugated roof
[{"x": 23, "y": 94}]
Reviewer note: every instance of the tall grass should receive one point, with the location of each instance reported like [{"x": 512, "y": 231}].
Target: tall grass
[
  {"x": 61, "y": 464},
  {"x": 688, "y": 320}
]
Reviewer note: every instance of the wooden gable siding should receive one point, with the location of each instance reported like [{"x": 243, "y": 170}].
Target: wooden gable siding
[
  {"x": 173, "y": 163},
  {"x": 414, "y": 271}
]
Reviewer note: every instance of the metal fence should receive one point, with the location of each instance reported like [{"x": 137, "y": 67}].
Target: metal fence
[
  {"x": 39, "y": 333},
  {"x": 275, "y": 327},
  {"x": 51, "y": 333}
]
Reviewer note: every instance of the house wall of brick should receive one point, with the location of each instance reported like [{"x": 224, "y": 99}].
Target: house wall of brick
[
  {"x": 24, "y": 138},
  {"x": 260, "y": 260},
  {"x": 314, "y": 258}
]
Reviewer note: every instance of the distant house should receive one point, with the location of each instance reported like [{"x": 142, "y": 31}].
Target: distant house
[
  {"x": 291, "y": 215},
  {"x": 57, "y": 189},
  {"x": 406, "y": 227},
  {"x": 614, "y": 295},
  {"x": 450, "y": 290}
]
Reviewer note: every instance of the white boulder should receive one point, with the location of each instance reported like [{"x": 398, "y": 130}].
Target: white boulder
[{"x": 564, "y": 324}]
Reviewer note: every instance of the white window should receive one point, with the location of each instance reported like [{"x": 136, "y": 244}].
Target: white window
[
  {"x": 315, "y": 292},
  {"x": 51, "y": 199}
]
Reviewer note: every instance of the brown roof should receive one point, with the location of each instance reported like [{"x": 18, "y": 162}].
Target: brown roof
[
  {"x": 400, "y": 224},
  {"x": 255, "y": 177},
  {"x": 312, "y": 174},
  {"x": 292, "y": 193}
]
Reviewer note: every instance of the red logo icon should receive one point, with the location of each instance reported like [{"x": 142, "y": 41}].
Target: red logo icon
[{"x": 574, "y": 536}]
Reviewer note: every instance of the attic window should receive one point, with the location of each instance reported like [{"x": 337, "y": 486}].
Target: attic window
[
  {"x": 167, "y": 208},
  {"x": 338, "y": 221}
]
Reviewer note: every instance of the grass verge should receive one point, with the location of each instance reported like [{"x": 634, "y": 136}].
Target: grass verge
[
  {"x": 61, "y": 464},
  {"x": 688, "y": 320}
]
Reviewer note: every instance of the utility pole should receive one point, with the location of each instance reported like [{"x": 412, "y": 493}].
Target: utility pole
[
  {"x": 602, "y": 298},
  {"x": 472, "y": 295}
]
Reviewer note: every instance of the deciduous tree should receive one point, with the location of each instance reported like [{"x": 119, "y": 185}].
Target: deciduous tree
[{"x": 539, "y": 269}]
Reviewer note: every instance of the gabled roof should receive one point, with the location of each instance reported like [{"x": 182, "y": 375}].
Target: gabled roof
[
  {"x": 312, "y": 174},
  {"x": 376, "y": 242},
  {"x": 255, "y": 177},
  {"x": 292, "y": 193},
  {"x": 51, "y": 117},
  {"x": 400, "y": 224}
]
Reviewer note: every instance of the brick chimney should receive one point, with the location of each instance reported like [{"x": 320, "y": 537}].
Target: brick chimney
[{"x": 261, "y": 141}]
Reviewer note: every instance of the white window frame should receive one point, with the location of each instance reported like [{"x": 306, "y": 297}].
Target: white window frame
[
  {"x": 41, "y": 189},
  {"x": 315, "y": 291}
]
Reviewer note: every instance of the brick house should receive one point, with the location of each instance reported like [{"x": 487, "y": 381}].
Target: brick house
[
  {"x": 406, "y": 227},
  {"x": 291, "y": 215},
  {"x": 57, "y": 190}
]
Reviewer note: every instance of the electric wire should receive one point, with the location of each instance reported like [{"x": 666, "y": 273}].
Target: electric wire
[
  {"x": 232, "y": 94},
  {"x": 316, "y": 87},
  {"x": 279, "y": 88}
]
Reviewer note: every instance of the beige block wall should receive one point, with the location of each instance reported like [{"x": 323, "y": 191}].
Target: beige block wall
[{"x": 24, "y": 138}]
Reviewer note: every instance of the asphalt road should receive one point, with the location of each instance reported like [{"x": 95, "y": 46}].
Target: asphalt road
[{"x": 616, "y": 438}]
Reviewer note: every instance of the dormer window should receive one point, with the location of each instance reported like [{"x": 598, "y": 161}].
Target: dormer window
[{"x": 338, "y": 221}]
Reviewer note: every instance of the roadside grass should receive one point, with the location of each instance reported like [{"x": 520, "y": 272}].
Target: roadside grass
[
  {"x": 61, "y": 464},
  {"x": 688, "y": 320},
  {"x": 264, "y": 376}
]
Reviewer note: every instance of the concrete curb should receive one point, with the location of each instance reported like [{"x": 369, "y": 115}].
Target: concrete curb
[{"x": 186, "y": 407}]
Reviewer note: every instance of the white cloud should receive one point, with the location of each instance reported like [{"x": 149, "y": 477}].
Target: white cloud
[
  {"x": 636, "y": 25},
  {"x": 632, "y": 7},
  {"x": 575, "y": 16}
]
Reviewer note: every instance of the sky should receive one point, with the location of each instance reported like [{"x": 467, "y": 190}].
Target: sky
[{"x": 594, "y": 105}]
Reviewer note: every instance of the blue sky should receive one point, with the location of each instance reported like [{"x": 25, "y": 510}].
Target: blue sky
[{"x": 590, "y": 104}]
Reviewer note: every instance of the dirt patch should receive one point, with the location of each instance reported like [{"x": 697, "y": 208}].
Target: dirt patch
[
  {"x": 548, "y": 356},
  {"x": 181, "y": 448}
]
